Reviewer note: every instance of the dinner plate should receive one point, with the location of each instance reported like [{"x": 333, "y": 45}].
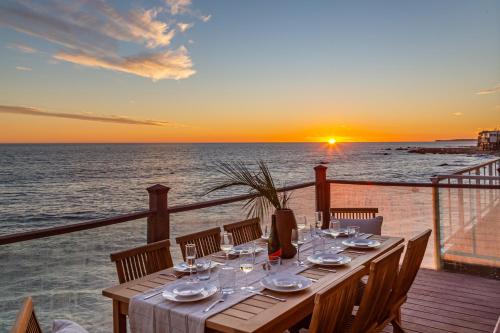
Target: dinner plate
[
  {"x": 206, "y": 290},
  {"x": 244, "y": 247},
  {"x": 329, "y": 259},
  {"x": 286, "y": 283},
  {"x": 361, "y": 243},
  {"x": 182, "y": 267},
  {"x": 343, "y": 232}
]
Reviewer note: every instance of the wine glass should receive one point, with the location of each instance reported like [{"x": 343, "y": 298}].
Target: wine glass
[
  {"x": 301, "y": 222},
  {"x": 335, "y": 232},
  {"x": 298, "y": 241},
  {"x": 190, "y": 258},
  {"x": 227, "y": 243},
  {"x": 247, "y": 260}
]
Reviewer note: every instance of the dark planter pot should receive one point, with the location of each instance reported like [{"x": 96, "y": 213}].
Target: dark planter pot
[{"x": 285, "y": 222}]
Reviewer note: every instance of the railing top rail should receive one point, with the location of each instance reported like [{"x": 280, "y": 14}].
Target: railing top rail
[
  {"x": 409, "y": 184},
  {"x": 453, "y": 176},
  {"x": 475, "y": 167},
  {"x": 64, "y": 229}
]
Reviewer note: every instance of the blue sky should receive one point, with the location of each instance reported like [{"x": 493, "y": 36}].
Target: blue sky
[{"x": 400, "y": 64}]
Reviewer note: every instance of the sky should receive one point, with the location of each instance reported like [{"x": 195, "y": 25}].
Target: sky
[{"x": 248, "y": 71}]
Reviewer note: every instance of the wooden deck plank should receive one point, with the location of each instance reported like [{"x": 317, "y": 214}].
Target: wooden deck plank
[{"x": 450, "y": 302}]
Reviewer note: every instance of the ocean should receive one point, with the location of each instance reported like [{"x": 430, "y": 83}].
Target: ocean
[{"x": 46, "y": 185}]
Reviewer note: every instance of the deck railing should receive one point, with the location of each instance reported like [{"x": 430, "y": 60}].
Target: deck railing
[{"x": 67, "y": 272}]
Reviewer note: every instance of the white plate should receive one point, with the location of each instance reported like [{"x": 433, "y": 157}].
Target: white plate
[
  {"x": 182, "y": 267},
  {"x": 361, "y": 243},
  {"x": 316, "y": 259},
  {"x": 187, "y": 289},
  {"x": 286, "y": 283},
  {"x": 208, "y": 290},
  {"x": 343, "y": 232},
  {"x": 244, "y": 247}
]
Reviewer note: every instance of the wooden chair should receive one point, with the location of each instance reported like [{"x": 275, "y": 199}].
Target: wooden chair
[
  {"x": 244, "y": 231},
  {"x": 26, "y": 321},
  {"x": 206, "y": 242},
  {"x": 415, "y": 251},
  {"x": 140, "y": 261},
  {"x": 354, "y": 213},
  {"x": 376, "y": 297},
  {"x": 333, "y": 304}
]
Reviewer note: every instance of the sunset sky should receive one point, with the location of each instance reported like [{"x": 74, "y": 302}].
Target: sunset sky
[{"x": 239, "y": 71}]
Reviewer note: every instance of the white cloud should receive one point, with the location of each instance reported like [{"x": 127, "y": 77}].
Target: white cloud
[
  {"x": 457, "y": 114},
  {"x": 206, "y": 18},
  {"x": 183, "y": 27},
  {"x": 178, "y": 6},
  {"x": 89, "y": 33},
  {"x": 22, "y": 68},
  {"x": 22, "y": 48},
  {"x": 493, "y": 90},
  {"x": 156, "y": 66}
]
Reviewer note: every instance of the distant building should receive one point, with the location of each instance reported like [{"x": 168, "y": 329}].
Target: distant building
[{"x": 489, "y": 140}]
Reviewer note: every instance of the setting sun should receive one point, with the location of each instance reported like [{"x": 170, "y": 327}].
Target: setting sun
[{"x": 331, "y": 141}]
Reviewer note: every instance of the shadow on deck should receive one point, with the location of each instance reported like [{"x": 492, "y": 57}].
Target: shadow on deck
[{"x": 451, "y": 302}]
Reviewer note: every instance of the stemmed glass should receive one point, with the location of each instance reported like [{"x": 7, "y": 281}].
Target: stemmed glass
[
  {"x": 335, "y": 232},
  {"x": 318, "y": 219},
  {"x": 191, "y": 258},
  {"x": 297, "y": 241},
  {"x": 227, "y": 243},
  {"x": 247, "y": 260}
]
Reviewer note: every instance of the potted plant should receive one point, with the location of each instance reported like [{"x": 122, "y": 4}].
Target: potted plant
[{"x": 266, "y": 196}]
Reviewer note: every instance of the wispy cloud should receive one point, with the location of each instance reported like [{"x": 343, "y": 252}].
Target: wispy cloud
[
  {"x": 156, "y": 66},
  {"x": 183, "y": 27},
  {"x": 22, "y": 68},
  {"x": 178, "y": 6},
  {"x": 457, "y": 114},
  {"x": 206, "y": 18},
  {"x": 493, "y": 90},
  {"x": 89, "y": 117},
  {"x": 22, "y": 48},
  {"x": 90, "y": 33}
]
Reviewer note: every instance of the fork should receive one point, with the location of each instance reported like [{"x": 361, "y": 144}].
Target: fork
[{"x": 220, "y": 300}]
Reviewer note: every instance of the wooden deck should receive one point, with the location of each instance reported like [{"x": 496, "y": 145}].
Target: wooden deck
[{"x": 451, "y": 302}]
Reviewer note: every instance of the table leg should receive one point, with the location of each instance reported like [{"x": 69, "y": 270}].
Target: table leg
[{"x": 119, "y": 319}]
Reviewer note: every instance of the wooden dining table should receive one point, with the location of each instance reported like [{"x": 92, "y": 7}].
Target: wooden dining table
[{"x": 256, "y": 313}]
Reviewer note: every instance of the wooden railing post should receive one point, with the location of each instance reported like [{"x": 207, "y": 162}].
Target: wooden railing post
[
  {"x": 437, "y": 223},
  {"x": 159, "y": 220},
  {"x": 322, "y": 194}
]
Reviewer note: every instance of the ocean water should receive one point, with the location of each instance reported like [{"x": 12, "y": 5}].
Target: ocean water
[{"x": 49, "y": 185}]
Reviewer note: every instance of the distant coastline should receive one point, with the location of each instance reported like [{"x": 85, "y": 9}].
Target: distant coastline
[{"x": 454, "y": 140}]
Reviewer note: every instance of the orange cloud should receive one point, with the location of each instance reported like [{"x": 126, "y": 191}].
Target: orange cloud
[{"x": 163, "y": 65}]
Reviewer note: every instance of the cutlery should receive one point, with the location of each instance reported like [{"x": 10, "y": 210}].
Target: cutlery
[
  {"x": 356, "y": 252},
  {"x": 153, "y": 295},
  {"x": 266, "y": 295},
  {"x": 177, "y": 276},
  {"x": 313, "y": 280},
  {"x": 220, "y": 300}
]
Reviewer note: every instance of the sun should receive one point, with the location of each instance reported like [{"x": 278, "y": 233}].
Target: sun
[{"x": 332, "y": 141}]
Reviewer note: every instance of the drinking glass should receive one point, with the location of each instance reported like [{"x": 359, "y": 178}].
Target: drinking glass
[
  {"x": 318, "y": 219},
  {"x": 203, "y": 269},
  {"x": 353, "y": 231},
  {"x": 191, "y": 258},
  {"x": 335, "y": 232},
  {"x": 227, "y": 243},
  {"x": 273, "y": 264},
  {"x": 318, "y": 244},
  {"x": 301, "y": 222},
  {"x": 298, "y": 241},
  {"x": 247, "y": 261},
  {"x": 227, "y": 279}
]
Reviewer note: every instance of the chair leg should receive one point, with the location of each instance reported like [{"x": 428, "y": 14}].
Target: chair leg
[{"x": 396, "y": 323}]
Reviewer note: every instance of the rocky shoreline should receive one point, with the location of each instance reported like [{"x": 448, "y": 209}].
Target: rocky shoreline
[{"x": 449, "y": 150}]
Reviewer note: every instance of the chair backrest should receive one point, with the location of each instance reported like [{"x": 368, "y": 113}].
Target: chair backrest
[
  {"x": 381, "y": 280},
  {"x": 354, "y": 213},
  {"x": 140, "y": 261},
  {"x": 415, "y": 251},
  {"x": 26, "y": 321},
  {"x": 369, "y": 226},
  {"x": 206, "y": 242},
  {"x": 244, "y": 231},
  {"x": 333, "y": 304}
]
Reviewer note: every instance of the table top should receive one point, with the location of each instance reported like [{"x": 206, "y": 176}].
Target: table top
[{"x": 258, "y": 313}]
